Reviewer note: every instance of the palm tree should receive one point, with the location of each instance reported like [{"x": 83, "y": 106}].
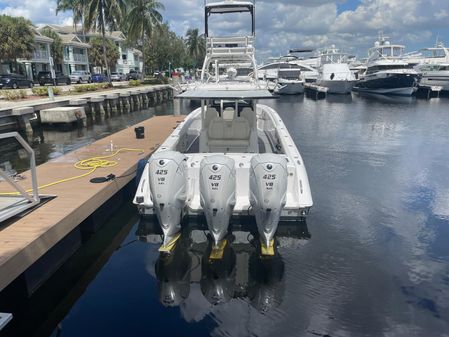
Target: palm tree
[
  {"x": 102, "y": 15},
  {"x": 196, "y": 44},
  {"x": 142, "y": 18},
  {"x": 76, "y": 6}
]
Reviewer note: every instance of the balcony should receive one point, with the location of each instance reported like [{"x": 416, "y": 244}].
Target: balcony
[
  {"x": 76, "y": 58},
  {"x": 80, "y": 58},
  {"x": 40, "y": 55}
]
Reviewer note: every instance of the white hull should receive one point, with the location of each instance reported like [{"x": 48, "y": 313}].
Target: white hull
[
  {"x": 442, "y": 82},
  {"x": 270, "y": 129},
  {"x": 337, "y": 86},
  {"x": 294, "y": 88}
]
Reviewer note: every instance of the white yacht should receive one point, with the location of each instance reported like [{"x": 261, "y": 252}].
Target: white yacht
[
  {"x": 289, "y": 63},
  {"x": 434, "y": 74},
  {"x": 231, "y": 157},
  {"x": 387, "y": 71},
  {"x": 289, "y": 82},
  {"x": 432, "y": 64},
  {"x": 334, "y": 72}
]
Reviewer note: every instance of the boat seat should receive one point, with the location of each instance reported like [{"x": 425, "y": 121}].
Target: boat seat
[
  {"x": 209, "y": 115},
  {"x": 249, "y": 115},
  {"x": 228, "y": 114},
  {"x": 229, "y": 136}
]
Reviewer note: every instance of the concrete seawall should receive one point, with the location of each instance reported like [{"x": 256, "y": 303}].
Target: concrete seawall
[{"x": 21, "y": 116}]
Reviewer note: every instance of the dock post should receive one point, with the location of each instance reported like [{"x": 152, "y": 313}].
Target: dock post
[
  {"x": 98, "y": 104},
  {"x": 24, "y": 115},
  {"x": 124, "y": 96},
  {"x": 111, "y": 104}
]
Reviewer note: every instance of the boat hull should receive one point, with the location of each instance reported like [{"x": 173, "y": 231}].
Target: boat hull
[
  {"x": 289, "y": 88},
  {"x": 337, "y": 86},
  {"x": 440, "y": 81},
  {"x": 389, "y": 84}
]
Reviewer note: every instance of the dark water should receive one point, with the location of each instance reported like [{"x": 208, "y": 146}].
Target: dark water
[
  {"x": 52, "y": 142},
  {"x": 376, "y": 262}
]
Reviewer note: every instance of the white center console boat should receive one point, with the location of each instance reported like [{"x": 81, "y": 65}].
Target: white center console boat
[{"x": 231, "y": 157}]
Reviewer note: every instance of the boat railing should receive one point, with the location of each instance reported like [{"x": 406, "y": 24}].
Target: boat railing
[
  {"x": 225, "y": 46},
  {"x": 13, "y": 203}
]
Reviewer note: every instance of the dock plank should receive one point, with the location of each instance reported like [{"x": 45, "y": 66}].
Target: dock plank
[{"x": 28, "y": 238}]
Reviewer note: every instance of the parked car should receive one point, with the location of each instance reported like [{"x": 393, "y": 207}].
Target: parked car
[
  {"x": 14, "y": 81},
  {"x": 118, "y": 77},
  {"x": 98, "y": 78},
  {"x": 79, "y": 76},
  {"x": 134, "y": 75},
  {"x": 44, "y": 77}
]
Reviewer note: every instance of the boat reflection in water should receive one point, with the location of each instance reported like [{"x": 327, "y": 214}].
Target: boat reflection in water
[
  {"x": 240, "y": 273},
  {"x": 173, "y": 275}
]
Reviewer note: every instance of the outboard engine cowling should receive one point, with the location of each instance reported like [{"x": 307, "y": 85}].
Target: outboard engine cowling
[
  {"x": 268, "y": 190},
  {"x": 217, "y": 188},
  {"x": 167, "y": 175}
]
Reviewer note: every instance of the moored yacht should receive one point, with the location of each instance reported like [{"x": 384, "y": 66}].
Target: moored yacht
[
  {"x": 231, "y": 157},
  {"x": 334, "y": 72},
  {"x": 387, "y": 72},
  {"x": 289, "y": 82},
  {"x": 432, "y": 64},
  {"x": 288, "y": 63}
]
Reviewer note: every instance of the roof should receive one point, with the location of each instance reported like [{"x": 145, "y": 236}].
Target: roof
[
  {"x": 137, "y": 51},
  {"x": 229, "y": 6},
  {"x": 115, "y": 35},
  {"x": 41, "y": 38},
  {"x": 73, "y": 40}
]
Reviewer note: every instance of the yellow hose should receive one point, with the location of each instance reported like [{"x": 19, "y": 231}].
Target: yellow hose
[{"x": 91, "y": 164}]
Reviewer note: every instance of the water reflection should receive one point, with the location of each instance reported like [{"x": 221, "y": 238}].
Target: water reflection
[
  {"x": 173, "y": 274},
  {"x": 387, "y": 98},
  {"x": 241, "y": 273},
  {"x": 266, "y": 281}
]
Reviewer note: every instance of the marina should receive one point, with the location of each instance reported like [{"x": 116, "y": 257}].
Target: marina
[
  {"x": 29, "y": 238},
  {"x": 371, "y": 149},
  {"x": 210, "y": 193}
]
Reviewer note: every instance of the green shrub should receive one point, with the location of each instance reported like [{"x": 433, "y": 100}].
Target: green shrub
[
  {"x": 134, "y": 83},
  {"x": 156, "y": 80},
  {"x": 43, "y": 91},
  {"x": 105, "y": 85},
  {"x": 11, "y": 95},
  {"x": 91, "y": 87}
]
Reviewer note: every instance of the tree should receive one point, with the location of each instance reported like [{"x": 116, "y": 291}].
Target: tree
[
  {"x": 102, "y": 15},
  {"x": 57, "y": 48},
  {"x": 142, "y": 19},
  {"x": 96, "y": 52},
  {"x": 78, "y": 7},
  {"x": 196, "y": 45},
  {"x": 16, "y": 38}
]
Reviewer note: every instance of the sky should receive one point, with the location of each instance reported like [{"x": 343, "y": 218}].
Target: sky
[{"x": 351, "y": 25}]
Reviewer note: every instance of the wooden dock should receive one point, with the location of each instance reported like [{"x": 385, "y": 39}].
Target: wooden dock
[{"x": 24, "y": 241}]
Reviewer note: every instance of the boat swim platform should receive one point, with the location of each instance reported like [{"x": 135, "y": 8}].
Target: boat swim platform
[{"x": 27, "y": 239}]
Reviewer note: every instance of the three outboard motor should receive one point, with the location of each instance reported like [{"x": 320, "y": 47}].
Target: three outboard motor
[
  {"x": 167, "y": 175},
  {"x": 268, "y": 191},
  {"x": 217, "y": 189}
]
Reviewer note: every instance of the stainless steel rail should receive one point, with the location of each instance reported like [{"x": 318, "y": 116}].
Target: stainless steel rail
[{"x": 14, "y": 204}]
